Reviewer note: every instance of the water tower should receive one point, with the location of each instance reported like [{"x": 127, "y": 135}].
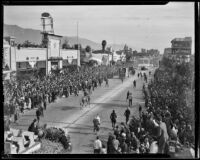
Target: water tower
[{"x": 47, "y": 23}]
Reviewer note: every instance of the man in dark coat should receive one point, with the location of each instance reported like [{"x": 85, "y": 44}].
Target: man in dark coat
[
  {"x": 127, "y": 114},
  {"x": 113, "y": 117}
]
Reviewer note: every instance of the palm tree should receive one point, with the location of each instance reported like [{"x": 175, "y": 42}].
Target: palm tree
[
  {"x": 103, "y": 45},
  {"x": 88, "y": 49}
]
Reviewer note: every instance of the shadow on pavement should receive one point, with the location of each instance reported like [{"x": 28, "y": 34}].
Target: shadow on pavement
[
  {"x": 64, "y": 108},
  {"x": 118, "y": 101},
  {"x": 107, "y": 105}
]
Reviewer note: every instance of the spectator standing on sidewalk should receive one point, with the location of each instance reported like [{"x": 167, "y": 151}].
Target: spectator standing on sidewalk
[
  {"x": 127, "y": 114},
  {"x": 97, "y": 145},
  {"x": 110, "y": 147},
  {"x": 116, "y": 144},
  {"x": 163, "y": 138},
  {"x": 117, "y": 132}
]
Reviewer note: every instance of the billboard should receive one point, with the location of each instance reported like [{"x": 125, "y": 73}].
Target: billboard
[{"x": 54, "y": 47}]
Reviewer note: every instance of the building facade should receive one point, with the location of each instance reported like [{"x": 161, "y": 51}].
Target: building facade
[
  {"x": 9, "y": 57},
  {"x": 46, "y": 59},
  {"x": 181, "y": 49}
]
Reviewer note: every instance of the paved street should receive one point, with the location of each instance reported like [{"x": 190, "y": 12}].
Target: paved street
[{"x": 66, "y": 112}]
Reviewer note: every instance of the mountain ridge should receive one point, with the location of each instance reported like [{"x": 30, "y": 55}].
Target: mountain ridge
[{"x": 34, "y": 36}]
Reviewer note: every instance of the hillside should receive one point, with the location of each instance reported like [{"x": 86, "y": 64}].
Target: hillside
[{"x": 34, "y": 36}]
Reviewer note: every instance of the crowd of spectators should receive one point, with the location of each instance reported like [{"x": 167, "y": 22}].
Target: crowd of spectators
[
  {"x": 38, "y": 91},
  {"x": 167, "y": 98},
  {"x": 164, "y": 121}
]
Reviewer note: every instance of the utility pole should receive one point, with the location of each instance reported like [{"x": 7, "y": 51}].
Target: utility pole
[{"x": 77, "y": 46}]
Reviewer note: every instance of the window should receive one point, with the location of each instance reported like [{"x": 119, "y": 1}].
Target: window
[{"x": 19, "y": 65}]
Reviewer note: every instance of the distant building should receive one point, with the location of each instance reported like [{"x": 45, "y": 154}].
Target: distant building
[
  {"x": 153, "y": 52},
  {"x": 181, "y": 49},
  {"x": 116, "y": 57},
  {"x": 122, "y": 55},
  {"x": 143, "y": 50},
  {"x": 104, "y": 56}
]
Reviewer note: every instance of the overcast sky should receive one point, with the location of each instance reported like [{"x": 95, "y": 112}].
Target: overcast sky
[{"x": 139, "y": 26}]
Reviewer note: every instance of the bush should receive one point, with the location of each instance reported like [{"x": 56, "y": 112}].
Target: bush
[
  {"x": 54, "y": 134},
  {"x": 58, "y": 135}
]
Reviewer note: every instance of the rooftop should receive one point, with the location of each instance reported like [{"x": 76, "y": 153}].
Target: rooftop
[
  {"x": 183, "y": 39},
  {"x": 101, "y": 51}
]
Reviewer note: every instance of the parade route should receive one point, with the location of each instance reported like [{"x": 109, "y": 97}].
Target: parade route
[{"x": 66, "y": 112}]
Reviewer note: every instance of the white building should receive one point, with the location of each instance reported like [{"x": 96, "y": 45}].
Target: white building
[{"x": 28, "y": 58}]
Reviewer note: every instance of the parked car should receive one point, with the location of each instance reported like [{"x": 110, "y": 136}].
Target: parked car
[{"x": 144, "y": 68}]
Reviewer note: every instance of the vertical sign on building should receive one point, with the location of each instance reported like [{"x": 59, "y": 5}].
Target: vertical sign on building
[{"x": 6, "y": 56}]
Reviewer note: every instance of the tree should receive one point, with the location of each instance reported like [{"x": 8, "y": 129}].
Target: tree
[
  {"x": 66, "y": 45},
  {"x": 26, "y": 44},
  {"x": 88, "y": 49},
  {"x": 125, "y": 48},
  {"x": 128, "y": 56},
  {"x": 103, "y": 45},
  {"x": 78, "y": 46}
]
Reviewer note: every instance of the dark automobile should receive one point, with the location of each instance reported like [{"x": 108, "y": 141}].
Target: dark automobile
[{"x": 144, "y": 68}]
